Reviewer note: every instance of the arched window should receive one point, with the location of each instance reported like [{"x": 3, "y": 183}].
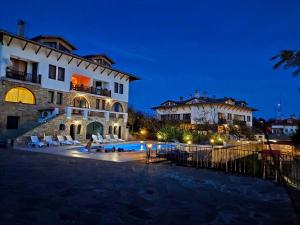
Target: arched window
[
  {"x": 117, "y": 107},
  {"x": 20, "y": 95},
  {"x": 80, "y": 102}
]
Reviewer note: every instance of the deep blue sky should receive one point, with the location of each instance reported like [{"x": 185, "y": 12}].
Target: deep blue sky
[{"x": 221, "y": 47}]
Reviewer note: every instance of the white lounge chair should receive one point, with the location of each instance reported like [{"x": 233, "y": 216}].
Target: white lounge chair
[
  {"x": 117, "y": 138},
  {"x": 108, "y": 137},
  {"x": 49, "y": 141},
  {"x": 95, "y": 139},
  {"x": 34, "y": 141},
  {"x": 100, "y": 138},
  {"x": 74, "y": 142},
  {"x": 62, "y": 141}
]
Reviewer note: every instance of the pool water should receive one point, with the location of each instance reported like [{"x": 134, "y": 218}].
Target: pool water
[{"x": 135, "y": 147}]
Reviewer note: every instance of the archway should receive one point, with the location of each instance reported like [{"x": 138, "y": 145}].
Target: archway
[
  {"x": 93, "y": 128},
  {"x": 117, "y": 107},
  {"x": 80, "y": 102}
]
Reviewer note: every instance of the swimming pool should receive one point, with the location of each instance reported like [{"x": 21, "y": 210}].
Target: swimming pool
[{"x": 135, "y": 147}]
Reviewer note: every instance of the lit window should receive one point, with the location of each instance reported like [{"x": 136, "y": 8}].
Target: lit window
[{"x": 20, "y": 95}]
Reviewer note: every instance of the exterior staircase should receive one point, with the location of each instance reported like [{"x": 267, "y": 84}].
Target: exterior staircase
[{"x": 9, "y": 136}]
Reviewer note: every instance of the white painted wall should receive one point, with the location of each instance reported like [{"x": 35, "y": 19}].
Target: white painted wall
[{"x": 15, "y": 50}]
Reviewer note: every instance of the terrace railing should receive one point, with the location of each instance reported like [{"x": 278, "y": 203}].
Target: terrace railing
[
  {"x": 91, "y": 90},
  {"x": 23, "y": 76},
  {"x": 247, "y": 159}
]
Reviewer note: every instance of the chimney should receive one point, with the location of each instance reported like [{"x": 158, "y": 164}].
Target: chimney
[
  {"x": 21, "y": 28},
  {"x": 197, "y": 94},
  {"x": 180, "y": 98}
]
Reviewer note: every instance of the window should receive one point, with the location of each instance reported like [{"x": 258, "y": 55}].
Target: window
[
  {"x": 50, "y": 44},
  {"x": 110, "y": 129},
  {"x": 52, "y": 72},
  {"x": 61, "y": 74},
  {"x": 20, "y": 95},
  {"x": 103, "y": 104},
  {"x": 50, "y": 97},
  {"x": 115, "y": 129},
  {"x": 248, "y": 118},
  {"x": 117, "y": 107},
  {"x": 12, "y": 122},
  {"x": 62, "y": 127},
  {"x": 59, "y": 98},
  {"x": 229, "y": 116},
  {"x": 79, "y": 129},
  {"x": 121, "y": 89},
  {"x": 187, "y": 117},
  {"x": 116, "y": 88},
  {"x": 97, "y": 103}
]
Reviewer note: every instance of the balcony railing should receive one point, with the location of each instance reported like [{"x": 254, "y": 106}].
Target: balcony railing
[
  {"x": 23, "y": 76},
  {"x": 91, "y": 90}
]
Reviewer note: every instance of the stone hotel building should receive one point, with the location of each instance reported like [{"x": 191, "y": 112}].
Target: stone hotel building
[{"x": 45, "y": 88}]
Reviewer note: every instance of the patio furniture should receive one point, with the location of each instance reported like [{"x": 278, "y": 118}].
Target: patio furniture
[
  {"x": 34, "y": 141},
  {"x": 95, "y": 139},
  {"x": 108, "y": 137},
  {"x": 115, "y": 137},
  {"x": 101, "y": 138},
  {"x": 74, "y": 142},
  {"x": 49, "y": 141},
  {"x": 62, "y": 141}
]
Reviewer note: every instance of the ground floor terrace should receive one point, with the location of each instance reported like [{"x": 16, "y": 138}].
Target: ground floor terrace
[{"x": 40, "y": 188}]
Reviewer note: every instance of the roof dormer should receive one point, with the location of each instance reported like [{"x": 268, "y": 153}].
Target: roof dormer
[
  {"x": 101, "y": 59},
  {"x": 55, "y": 42}
]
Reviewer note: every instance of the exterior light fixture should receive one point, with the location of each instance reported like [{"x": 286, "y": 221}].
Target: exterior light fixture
[
  {"x": 189, "y": 142},
  {"x": 149, "y": 146},
  {"x": 76, "y": 122},
  {"x": 212, "y": 141}
]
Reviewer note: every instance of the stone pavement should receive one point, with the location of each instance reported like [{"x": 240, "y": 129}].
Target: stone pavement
[{"x": 45, "y": 189}]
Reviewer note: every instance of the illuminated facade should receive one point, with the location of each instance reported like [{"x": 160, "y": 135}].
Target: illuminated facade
[
  {"x": 44, "y": 82},
  {"x": 205, "y": 110}
]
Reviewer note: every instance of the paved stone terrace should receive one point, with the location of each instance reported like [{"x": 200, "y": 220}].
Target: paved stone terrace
[{"x": 44, "y": 189}]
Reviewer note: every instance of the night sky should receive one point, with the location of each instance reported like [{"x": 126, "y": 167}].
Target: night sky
[{"x": 175, "y": 47}]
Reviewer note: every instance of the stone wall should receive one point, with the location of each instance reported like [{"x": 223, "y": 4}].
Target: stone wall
[{"x": 29, "y": 114}]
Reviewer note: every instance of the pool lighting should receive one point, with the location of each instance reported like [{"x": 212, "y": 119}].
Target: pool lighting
[{"x": 142, "y": 142}]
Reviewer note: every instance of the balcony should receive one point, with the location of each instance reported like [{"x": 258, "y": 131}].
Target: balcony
[
  {"x": 86, "y": 113},
  {"x": 23, "y": 76},
  {"x": 90, "y": 90}
]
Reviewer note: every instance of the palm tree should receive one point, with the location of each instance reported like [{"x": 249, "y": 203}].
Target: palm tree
[{"x": 289, "y": 59}]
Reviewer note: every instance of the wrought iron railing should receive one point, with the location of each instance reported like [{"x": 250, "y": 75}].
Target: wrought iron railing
[
  {"x": 248, "y": 159},
  {"x": 91, "y": 90},
  {"x": 23, "y": 76}
]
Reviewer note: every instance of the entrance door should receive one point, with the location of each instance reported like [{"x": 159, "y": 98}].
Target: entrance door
[
  {"x": 72, "y": 131},
  {"x": 94, "y": 128}
]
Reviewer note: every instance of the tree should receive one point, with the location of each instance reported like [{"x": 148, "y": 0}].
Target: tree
[{"x": 289, "y": 59}]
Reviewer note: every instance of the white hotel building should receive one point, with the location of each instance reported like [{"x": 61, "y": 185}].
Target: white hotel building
[
  {"x": 205, "y": 110},
  {"x": 45, "y": 88}
]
